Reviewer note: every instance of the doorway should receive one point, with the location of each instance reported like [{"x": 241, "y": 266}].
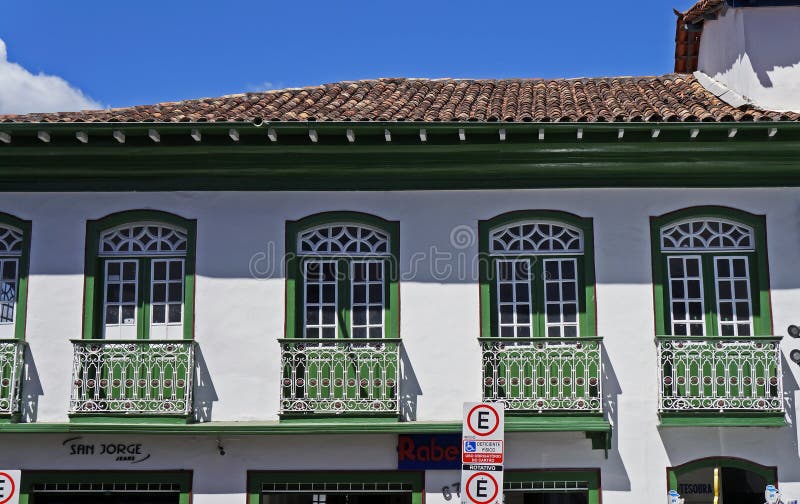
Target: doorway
[{"x": 722, "y": 481}]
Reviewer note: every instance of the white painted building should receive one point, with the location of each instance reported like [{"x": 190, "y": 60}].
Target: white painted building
[{"x": 291, "y": 303}]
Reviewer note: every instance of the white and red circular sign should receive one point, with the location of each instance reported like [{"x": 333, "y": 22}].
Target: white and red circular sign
[
  {"x": 483, "y": 420},
  {"x": 8, "y": 488},
  {"x": 482, "y": 488}
]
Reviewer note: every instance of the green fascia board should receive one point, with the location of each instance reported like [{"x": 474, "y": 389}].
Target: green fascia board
[
  {"x": 309, "y": 426},
  {"x": 600, "y": 159},
  {"x": 723, "y": 420}
]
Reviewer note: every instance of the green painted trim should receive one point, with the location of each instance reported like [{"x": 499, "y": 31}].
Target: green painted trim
[
  {"x": 31, "y": 478},
  {"x": 309, "y": 426},
  {"x": 585, "y": 264},
  {"x": 759, "y": 274},
  {"x": 592, "y": 476},
  {"x": 92, "y": 418},
  {"x": 92, "y": 297},
  {"x": 294, "y": 288},
  {"x": 600, "y": 160},
  {"x": 769, "y": 473},
  {"x": 255, "y": 480},
  {"x": 723, "y": 420},
  {"x": 20, "y": 317}
]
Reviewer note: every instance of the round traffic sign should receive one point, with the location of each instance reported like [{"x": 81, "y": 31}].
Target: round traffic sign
[
  {"x": 482, "y": 488},
  {"x": 7, "y": 493},
  {"x": 483, "y": 420}
]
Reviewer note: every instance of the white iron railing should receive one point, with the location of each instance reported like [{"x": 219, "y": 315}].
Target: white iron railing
[
  {"x": 544, "y": 374},
  {"x": 720, "y": 374},
  {"x": 340, "y": 376},
  {"x": 135, "y": 377},
  {"x": 11, "y": 356}
]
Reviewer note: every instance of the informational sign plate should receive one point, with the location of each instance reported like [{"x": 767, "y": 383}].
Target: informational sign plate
[
  {"x": 9, "y": 486},
  {"x": 482, "y": 453}
]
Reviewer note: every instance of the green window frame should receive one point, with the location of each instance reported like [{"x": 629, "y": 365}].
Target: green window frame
[
  {"x": 96, "y": 263},
  {"x": 305, "y": 479},
  {"x": 182, "y": 479},
  {"x": 15, "y": 233},
  {"x": 584, "y": 270},
  {"x": 297, "y": 263},
  {"x": 522, "y": 478},
  {"x": 753, "y": 252}
]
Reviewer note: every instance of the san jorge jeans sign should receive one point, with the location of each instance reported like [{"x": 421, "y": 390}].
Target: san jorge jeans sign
[
  {"x": 117, "y": 451},
  {"x": 429, "y": 451}
]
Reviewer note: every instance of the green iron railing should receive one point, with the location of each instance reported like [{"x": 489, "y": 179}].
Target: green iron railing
[
  {"x": 720, "y": 374},
  {"x": 134, "y": 377},
  {"x": 544, "y": 374},
  {"x": 340, "y": 376}
]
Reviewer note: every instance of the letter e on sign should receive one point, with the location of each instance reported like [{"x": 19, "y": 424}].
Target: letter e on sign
[
  {"x": 483, "y": 419},
  {"x": 9, "y": 486}
]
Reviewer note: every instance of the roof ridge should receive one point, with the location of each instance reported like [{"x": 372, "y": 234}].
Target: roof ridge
[{"x": 628, "y": 98}]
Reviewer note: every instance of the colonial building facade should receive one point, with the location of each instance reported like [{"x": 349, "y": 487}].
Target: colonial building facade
[{"x": 286, "y": 297}]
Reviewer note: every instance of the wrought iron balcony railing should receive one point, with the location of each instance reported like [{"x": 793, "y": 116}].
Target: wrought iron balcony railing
[
  {"x": 11, "y": 355},
  {"x": 133, "y": 377},
  {"x": 544, "y": 374},
  {"x": 340, "y": 376},
  {"x": 705, "y": 374}
]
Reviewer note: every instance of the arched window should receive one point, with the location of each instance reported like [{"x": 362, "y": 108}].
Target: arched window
[
  {"x": 710, "y": 269},
  {"x": 143, "y": 265},
  {"x": 345, "y": 272},
  {"x": 538, "y": 270},
  {"x": 14, "y": 247}
]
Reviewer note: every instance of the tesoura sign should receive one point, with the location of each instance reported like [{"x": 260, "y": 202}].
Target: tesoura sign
[{"x": 482, "y": 453}]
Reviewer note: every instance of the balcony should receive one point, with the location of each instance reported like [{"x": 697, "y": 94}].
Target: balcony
[
  {"x": 718, "y": 375},
  {"x": 543, "y": 375},
  {"x": 132, "y": 377},
  {"x": 11, "y": 355},
  {"x": 340, "y": 376}
]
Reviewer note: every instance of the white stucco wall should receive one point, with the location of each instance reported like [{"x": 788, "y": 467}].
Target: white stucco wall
[
  {"x": 239, "y": 316},
  {"x": 755, "y": 52}
]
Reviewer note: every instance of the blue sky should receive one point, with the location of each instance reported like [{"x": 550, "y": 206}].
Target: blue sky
[{"x": 121, "y": 53}]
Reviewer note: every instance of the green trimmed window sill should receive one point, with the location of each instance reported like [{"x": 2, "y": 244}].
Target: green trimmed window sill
[{"x": 723, "y": 420}]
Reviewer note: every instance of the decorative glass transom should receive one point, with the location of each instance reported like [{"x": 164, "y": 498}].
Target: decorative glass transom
[
  {"x": 144, "y": 239},
  {"x": 706, "y": 234},
  {"x": 536, "y": 238},
  {"x": 10, "y": 241},
  {"x": 343, "y": 239}
]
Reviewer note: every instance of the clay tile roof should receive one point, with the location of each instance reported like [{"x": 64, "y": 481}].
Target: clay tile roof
[
  {"x": 671, "y": 97},
  {"x": 687, "y": 41}
]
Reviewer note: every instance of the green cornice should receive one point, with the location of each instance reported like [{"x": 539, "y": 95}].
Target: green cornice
[
  {"x": 600, "y": 158},
  {"x": 321, "y": 426}
]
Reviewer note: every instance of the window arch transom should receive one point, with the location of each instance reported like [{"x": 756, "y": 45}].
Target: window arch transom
[
  {"x": 10, "y": 241},
  {"x": 144, "y": 239},
  {"x": 536, "y": 237},
  {"x": 706, "y": 234},
  {"x": 343, "y": 239}
]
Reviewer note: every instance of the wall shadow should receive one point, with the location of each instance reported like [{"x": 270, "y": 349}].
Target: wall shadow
[
  {"x": 31, "y": 388},
  {"x": 409, "y": 388},
  {"x": 204, "y": 392},
  {"x": 617, "y": 479}
]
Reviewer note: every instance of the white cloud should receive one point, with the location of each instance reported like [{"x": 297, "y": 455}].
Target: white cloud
[
  {"x": 22, "y": 92},
  {"x": 264, "y": 86}
]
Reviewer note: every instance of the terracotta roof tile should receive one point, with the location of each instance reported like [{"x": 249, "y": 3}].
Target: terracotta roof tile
[{"x": 671, "y": 97}]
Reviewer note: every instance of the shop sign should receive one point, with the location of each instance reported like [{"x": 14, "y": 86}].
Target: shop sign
[
  {"x": 9, "y": 486},
  {"x": 117, "y": 451},
  {"x": 429, "y": 451}
]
